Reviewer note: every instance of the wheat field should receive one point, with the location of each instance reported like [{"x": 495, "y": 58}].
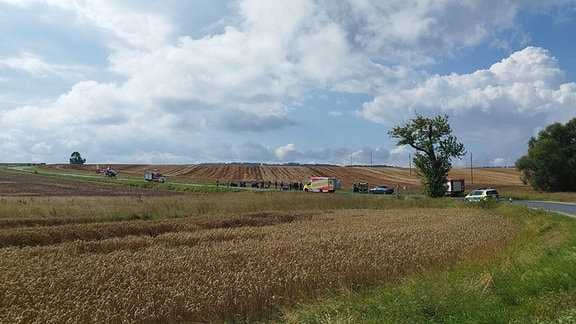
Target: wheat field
[{"x": 211, "y": 266}]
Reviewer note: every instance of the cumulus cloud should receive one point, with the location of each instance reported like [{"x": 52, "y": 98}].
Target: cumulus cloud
[
  {"x": 528, "y": 81},
  {"x": 168, "y": 95},
  {"x": 285, "y": 152}
]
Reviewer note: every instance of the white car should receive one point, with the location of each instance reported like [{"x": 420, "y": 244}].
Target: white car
[{"x": 483, "y": 194}]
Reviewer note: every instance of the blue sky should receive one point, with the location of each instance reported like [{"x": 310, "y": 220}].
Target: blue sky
[{"x": 309, "y": 81}]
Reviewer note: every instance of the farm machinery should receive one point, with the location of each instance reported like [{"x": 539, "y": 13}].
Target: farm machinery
[{"x": 154, "y": 177}]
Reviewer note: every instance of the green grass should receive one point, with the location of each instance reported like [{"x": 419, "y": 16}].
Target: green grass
[{"x": 534, "y": 281}]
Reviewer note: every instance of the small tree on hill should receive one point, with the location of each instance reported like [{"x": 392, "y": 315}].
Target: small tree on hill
[
  {"x": 550, "y": 164},
  {"x": 435, "y": 147},
  {"x": 76, "y": 158}
]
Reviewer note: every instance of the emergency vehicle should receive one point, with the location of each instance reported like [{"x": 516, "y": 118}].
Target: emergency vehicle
[
  {"x": 454, "y": 187},
  {"x": 322, "y": 184},
  {"x": 154, "y": 176}
]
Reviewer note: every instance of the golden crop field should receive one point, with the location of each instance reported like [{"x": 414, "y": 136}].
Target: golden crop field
[{"x": 66, "y": 265}]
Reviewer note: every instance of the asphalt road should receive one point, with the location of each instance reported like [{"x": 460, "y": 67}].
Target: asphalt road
[{"x": 559, "y": 207}]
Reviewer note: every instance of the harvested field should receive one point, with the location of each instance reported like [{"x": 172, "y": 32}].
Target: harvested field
[
  {"x": 506, "y": 178},
  {"x": 215, "y": 268}
]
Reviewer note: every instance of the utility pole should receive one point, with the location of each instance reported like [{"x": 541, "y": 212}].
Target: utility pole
[
  {"x": 410, "y": 162},
  {"x": 471, "y": 170},
  {"x": 370, "y": 157}
]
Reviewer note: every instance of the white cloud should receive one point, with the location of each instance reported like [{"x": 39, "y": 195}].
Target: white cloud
[
  {"x": 282, "y": 153},
  {"x": 41, "y": 148},
  {"x": 164, "y": 95},
  {"x": 528, "y": 82},
  {"x": 500, "y": 162},
  {"x": 29, "y": 63}
]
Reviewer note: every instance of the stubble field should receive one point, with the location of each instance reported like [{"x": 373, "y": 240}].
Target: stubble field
[
  {"x": 504, "y": 178},
  {"x": 149, "y": 256}
]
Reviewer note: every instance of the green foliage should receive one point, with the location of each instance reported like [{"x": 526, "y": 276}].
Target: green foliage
[
  {"x": 76, "y": 158},
  {"x": 435, "y": 147},
  {"x": 550, "y": 164}
]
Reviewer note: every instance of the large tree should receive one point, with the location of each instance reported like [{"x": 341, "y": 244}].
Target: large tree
[
  {"x": 435, "y": 148},
  {"x": 550, "y": 164},
  {"x": 76, "y": 158}
]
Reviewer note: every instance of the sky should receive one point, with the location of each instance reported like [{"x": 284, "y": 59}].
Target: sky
[{"x": 279, "y": 81}]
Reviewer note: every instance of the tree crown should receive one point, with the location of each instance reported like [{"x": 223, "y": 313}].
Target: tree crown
[
  {"x": 550, "y": 163},
  {"x": 76, "y": 158},
  {"x": 435, "y": 147}
]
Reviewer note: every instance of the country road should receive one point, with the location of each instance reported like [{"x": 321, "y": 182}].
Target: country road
[{"x": 559, "y": 207}]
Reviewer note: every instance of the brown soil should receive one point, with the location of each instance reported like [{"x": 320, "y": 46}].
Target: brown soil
[{"x": 14, "y": 183}]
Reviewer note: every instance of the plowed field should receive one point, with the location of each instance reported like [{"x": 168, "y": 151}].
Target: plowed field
[{"x": 27, "y": 184}]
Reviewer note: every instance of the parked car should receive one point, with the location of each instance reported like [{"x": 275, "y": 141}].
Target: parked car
[
  {"x": 482, "y": 194},
  {"x": 382, "y": 190}
]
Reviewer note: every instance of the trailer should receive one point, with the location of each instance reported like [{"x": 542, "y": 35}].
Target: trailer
[
  {"x": 154, "y": 177},
  {"x": 322, "y": 184},
  {"x": 455, "y": 187}
]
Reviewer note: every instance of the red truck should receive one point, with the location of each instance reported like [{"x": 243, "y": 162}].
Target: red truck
[{"x": 455, "y": 188}]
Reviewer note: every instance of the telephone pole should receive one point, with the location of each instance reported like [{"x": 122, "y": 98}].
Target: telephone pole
[{"x": 471, "y": 170}]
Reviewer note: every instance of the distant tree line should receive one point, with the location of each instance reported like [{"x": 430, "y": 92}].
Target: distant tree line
[{"x": 272, "y": 164}]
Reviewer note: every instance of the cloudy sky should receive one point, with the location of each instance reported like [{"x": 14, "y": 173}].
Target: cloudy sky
[{"x": 277, "y": 81}]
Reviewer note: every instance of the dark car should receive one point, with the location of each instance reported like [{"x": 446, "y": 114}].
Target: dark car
[{"x": 382, "y": 190}]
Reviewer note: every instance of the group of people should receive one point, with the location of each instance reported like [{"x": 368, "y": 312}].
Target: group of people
[
  {"x": 266, "y": 185},
  {"x": 361, "y": 187}
]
